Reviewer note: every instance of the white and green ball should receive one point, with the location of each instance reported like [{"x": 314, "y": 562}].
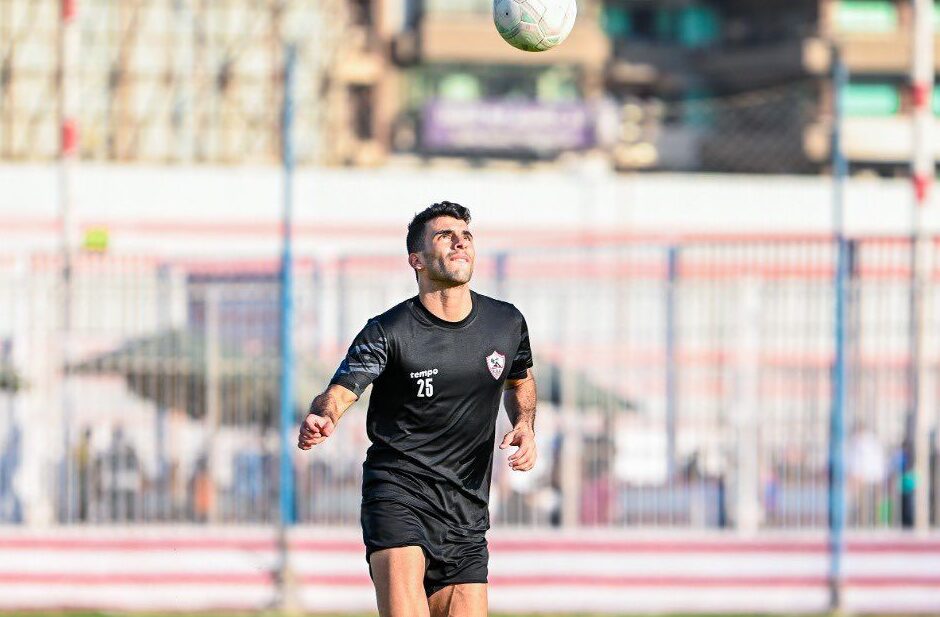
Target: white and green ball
[{"x": 534, "y": 25}]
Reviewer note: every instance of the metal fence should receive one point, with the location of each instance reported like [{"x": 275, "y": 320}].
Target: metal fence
[{"x": 682, "y": 383}]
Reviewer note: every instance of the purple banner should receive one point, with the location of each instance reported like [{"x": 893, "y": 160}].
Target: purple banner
[{"x": 513, "y": 126}]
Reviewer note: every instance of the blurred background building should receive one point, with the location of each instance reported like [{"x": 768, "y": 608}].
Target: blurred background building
[{"x": 685, "y": 85}]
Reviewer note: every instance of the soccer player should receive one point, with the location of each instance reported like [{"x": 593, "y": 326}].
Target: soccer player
[{"x": 438, "y": 363}]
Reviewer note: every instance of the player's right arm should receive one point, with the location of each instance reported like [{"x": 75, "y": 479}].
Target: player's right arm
[
  {"x": 325, "y": 412},
  {"x": 364, "y": 362}
]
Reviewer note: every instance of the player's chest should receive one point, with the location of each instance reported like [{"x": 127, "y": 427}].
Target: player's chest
[{"x": 450, "y": 365}]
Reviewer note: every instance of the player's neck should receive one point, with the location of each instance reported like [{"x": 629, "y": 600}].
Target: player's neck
[{"x": 449, "y": 304}]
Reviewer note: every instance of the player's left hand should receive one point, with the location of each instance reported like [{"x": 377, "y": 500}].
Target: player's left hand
[{"x": 522, "y": 459}]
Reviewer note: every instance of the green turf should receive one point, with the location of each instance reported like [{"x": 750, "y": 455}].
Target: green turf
[{"x": 271, "y": 614}]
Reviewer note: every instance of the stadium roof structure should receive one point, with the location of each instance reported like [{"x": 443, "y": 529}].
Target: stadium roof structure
[
  {"x": 178, "y": 369},
  {"x": 553, "y": 377}
]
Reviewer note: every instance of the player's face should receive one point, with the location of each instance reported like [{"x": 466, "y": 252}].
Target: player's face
[{"x": 448, "y": 251}]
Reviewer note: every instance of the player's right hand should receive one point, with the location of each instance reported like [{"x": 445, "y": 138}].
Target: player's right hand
[{"x": 314, "y": 430}]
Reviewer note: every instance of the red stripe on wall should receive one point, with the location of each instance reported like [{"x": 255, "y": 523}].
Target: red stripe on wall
[
  {"x": 529, "y": 236},
  {"x": 658, "y": 581},
  {"x": 497, "y": 544},
  {"x": 144, "y": 544},
  {"x": 331, "y": 546},
  {"x": 156, "y": 578},
  {"x": 706, "y": 581},
  {"x": 537, "y": 580},
  {"x": 667, "y": 546}
]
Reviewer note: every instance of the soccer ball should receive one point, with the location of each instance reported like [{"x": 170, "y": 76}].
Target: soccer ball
[{"x": 534, "y": 25}]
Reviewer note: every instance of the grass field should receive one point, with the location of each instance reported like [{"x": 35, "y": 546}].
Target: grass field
[
  {"x": 110, "y": 614},
  {"x": 145, "y": 614},
  {"x": 265, "y": 614}
]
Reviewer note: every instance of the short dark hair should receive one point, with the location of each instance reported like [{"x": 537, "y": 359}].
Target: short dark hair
[{"x": 415, "y": 240}]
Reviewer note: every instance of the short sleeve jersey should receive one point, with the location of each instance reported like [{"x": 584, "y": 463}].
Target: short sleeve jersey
[{"x": 435, "y": 399}]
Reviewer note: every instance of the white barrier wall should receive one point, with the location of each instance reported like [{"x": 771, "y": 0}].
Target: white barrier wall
[
  {"x": 235, "y": 212},
  {"x": 233, "y": 568}
]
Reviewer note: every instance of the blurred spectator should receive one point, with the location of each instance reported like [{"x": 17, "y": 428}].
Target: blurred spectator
[
  {"x": 596, "y": 495},
  {"x": 177, "y": 491},
  {"x": 120, "y": 479},
  {"x": 906, "y": 481},
  {"x": 83, "y": 474},
  {"x": 201, "y": 492},
  {"x": 554, "y": 515},
  {"x": 770, "y": 481},
  {"x": 866, "y": 457},
  {"x": 866, "y": 467},
  {"x": 10, "y": 506},
  {"x": 249, "y": 491}
]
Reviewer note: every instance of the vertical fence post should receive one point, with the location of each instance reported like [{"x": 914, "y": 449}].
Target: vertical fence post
[
  {"x": 839, "y": 373},
  {"x": 672, "y": 394},
  {"x": 286, "y": 485},
  {"x": 922, "y": 175},
  {"x": 747, "y": 372},
  {"x": 572, "y": 444},
  {"x": 343, "y": 300},
  {"x": 502, "y": 262},
  {"x": 164, "y": 298},
  {"x": 212, "y": 294},
  {"x": 287, "y": 424},
  {"x": 68, "y": 50}
]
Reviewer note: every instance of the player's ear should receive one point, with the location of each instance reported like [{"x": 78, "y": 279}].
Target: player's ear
[{"x": 414, "y": 260}]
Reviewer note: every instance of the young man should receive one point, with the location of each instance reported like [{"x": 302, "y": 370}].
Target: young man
[{"x": 438, "y": 364}]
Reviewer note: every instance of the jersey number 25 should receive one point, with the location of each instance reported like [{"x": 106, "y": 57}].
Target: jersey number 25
[{"x": 425, "y": 388}]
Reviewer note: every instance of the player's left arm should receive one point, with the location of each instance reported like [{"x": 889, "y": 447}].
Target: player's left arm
[{"x": 519, "y": 398}]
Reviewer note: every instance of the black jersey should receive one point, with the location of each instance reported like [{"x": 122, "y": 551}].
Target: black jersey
[{"x": 435, "y": 399}]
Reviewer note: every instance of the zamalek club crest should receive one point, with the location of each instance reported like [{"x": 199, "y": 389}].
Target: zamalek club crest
[{"x": 495, "y": 362}]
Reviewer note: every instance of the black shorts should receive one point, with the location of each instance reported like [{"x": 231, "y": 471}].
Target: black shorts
[{"x": 452, "y": 555}]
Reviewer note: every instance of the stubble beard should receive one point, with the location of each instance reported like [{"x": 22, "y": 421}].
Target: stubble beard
[{"x": 450, "y": 277}]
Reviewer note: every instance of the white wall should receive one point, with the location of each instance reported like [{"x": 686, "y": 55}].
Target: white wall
[
  {"x": 223, "y": 212},
  {"x": 217, "y": 568}
]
